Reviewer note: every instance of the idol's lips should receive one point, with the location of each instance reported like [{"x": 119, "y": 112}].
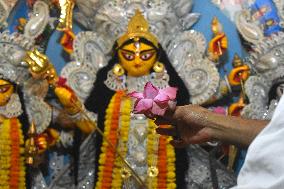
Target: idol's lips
[{"x": 137, "y": 65}]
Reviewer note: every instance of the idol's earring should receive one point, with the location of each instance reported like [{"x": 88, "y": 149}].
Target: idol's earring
[
  {"x": 118, "y": 70},
  {"x": 158, "y": 67}
]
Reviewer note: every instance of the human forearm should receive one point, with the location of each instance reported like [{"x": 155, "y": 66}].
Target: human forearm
[
  {"x": 194, "y": 124},
  {"x": 234, "y": 130}
]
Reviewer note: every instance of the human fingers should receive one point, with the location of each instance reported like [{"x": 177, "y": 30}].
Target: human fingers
[
  {"x": 162, "y": 121},
  {"x": 178, "y": 143},
  {"x": 170, "y": 110},
  {"x": 167, "y": 131}
]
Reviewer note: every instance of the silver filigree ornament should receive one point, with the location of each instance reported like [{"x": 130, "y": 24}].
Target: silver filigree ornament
[
  {"x": 201, "y": 78},
  {"x": 110, "y": 18},
  {"x": 39, "y": 112},
  {"x": 248, "y": 28},
  {"x": 267, "y": 57},
  {"x": 128, "y": 83},
  {"x": 188, "y": 43},
  {"x": 90, "y": 54},
  {"x": 91, "y": 48},
  {"x": 13, "y": 108},
  {"x": 267, "y": 61},
  {"x": 80, "y": 77},
  {"x": 12, "y": 50},
  {"x": 199, "y": 74},
  {"x": 38, "y": 20},
  {"x": 5, "y": 7}
]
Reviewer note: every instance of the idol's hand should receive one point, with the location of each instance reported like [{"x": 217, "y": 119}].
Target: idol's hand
[
  {"x": 73, "y": 107},
  {"x": 46, "y": 140},
  {"x": 40, "y": 67},
  {"x": 189, "y": 125},
  {"x": 68, "y": 99}
]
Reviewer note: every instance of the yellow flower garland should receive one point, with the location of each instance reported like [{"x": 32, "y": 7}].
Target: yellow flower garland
[
  {"x": 5, "y": 154},
  {"x": 125, "y": 116},
  {"x": 171, "y": 169},
  {"x": 12, "y": 168},
  {"x": 106, "y": 164},
  {"x": 152, "y": 150}
]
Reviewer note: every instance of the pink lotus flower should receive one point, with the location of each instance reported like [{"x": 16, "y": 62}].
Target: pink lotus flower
[
  {"x": 153, "y": 101},
  {"x": 220, "y": 110}
]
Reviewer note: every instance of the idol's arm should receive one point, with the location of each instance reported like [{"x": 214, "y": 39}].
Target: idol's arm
[{"x": 83, "y": 119}]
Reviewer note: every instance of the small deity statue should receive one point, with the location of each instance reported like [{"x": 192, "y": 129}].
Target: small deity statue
[
  {"x": 219, "y": 43},
  {"x": 237, "y": 77}
]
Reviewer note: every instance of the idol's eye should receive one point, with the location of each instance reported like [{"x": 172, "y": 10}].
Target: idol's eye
[
  {"x": 5, "y": 88},
  {"x": 147, "y": 55},
  {"x": 128, "y": 56}
]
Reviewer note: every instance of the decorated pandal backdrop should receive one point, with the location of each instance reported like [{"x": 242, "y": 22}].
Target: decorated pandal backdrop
[{"x": 66, "y": 67}]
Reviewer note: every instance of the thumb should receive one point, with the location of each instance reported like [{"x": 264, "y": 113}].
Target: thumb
[{"x": 170, "y": 110}]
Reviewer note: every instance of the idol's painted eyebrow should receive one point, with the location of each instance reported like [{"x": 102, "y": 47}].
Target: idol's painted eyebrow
[
  {"x": 149, "y": 50},
  {"x": 144, "y": 51},
  {"x": 129, "y": 51}
]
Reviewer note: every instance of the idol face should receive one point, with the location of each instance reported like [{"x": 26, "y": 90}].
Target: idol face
[
  {"x": 137, "y": 58},
  {"x": 6, "y": 90}
]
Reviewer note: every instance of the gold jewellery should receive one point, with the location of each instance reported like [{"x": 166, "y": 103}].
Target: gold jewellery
[
  {"x": 40, "y": 65},
  {"x": 118, "y": 70},
  {"x": 66, "y": 13},
  {"x": 138, "y": 27},
  {"x": 158, "y": 67}
]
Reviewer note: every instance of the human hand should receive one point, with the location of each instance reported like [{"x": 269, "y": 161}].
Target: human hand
[{"x": 189, "y": 124}]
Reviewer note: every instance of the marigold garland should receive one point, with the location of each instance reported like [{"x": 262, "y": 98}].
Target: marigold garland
[
  {"x": 171, "y": 169},
  {"x": 12, "y": 168},
  {"x": 107, "y": 157},
  {"x": 162, "y": 163},
  {"x": 125, "y": 116},
  {"x": 152, "y": 150}
]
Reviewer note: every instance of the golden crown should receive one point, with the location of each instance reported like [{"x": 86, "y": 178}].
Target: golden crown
[{"x": 138, "y": 27}]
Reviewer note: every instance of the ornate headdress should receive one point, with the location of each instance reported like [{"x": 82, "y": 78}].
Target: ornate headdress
[
  {"x": 138, "y": 27},
  {"x": 12, "y": 50}
]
